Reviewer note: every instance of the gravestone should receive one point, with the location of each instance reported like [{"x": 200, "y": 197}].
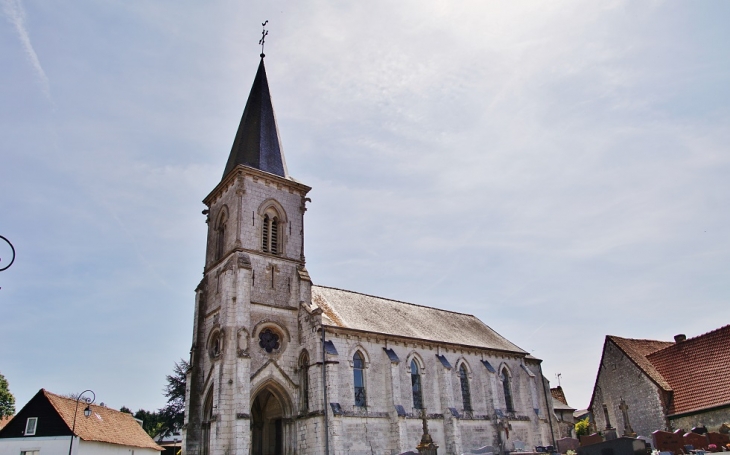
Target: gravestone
[
  {"x": 610, "y": 435},
  {"x": 618, "y": 446},
  {"x": 566, "y": 444},
  {"x": 594, "y": 438},
  {"x": 698, "y": 441},
  {"x": 482, "y": 450},
  {"x": 719, "y": 439},
  {"x": 647, "y": 440},
  {"x": 700, "y": 430},
  {"x": 665, "y": 441}
]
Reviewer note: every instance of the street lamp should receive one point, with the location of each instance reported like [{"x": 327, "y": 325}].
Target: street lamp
[{"x": 87, "y": 413}]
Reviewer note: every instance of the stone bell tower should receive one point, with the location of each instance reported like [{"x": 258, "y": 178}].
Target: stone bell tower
[{"x": 253, "y": 282}]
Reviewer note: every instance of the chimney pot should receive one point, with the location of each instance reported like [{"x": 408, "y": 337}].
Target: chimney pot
[{"x": 679, "y": 338}]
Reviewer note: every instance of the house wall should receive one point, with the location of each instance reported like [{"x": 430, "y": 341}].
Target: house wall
[
  {"x": 100, "y": 448},
  {"x": 711, "y": 419},
  {"x": 46, "y": 444},
  {"x": 619, "y": 377}
]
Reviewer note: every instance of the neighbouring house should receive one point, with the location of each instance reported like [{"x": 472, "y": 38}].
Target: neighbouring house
[
  {"x": 648, "y": 385},
  {"x": 564, "y": 413},
  {"x": 44, "y": 426},
  {"x": 4, "y": 421},
  {"x": 280, "y": 365}
]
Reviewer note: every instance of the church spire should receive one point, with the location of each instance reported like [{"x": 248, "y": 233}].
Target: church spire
[{"x": 257, "y": 142}]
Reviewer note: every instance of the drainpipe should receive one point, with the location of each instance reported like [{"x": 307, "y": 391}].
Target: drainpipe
[
  {"x": 324, "y": 390},
  {"x": 547, "y": 404}
]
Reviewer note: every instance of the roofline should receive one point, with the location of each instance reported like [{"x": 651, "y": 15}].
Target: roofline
[
  {"x": 463, "y": 346},
  {"x": 242, "y": 168},
  {"x": 637, "y": 365},
  {"x": 603, "y": 352},
  {"x": 698, "y": 410},
  {"x": 393, "y": 300}
]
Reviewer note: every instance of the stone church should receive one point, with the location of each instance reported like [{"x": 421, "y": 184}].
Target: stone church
[{"x": 282, "y": 366}]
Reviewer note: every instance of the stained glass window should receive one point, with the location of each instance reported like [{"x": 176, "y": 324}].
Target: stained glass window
[
  {"x": 465, "y": 392},
  {"x": 358, "y": 364},
  {"x": 416, "y": 386}
]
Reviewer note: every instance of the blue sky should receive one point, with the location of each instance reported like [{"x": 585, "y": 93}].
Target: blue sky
[{"x": 558, "y": 169}]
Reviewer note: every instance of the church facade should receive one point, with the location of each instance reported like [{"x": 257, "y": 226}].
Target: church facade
[{"x": 281, "y": 366}]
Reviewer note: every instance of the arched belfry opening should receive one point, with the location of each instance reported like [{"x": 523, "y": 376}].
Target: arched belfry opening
[{"x": 271, "y": 423}]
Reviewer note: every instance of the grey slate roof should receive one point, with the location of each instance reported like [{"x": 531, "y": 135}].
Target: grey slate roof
[
  {"x": 257, "y": 141},
  {"x": 368, "y": 313}
]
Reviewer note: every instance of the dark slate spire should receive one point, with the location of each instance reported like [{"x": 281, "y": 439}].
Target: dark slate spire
[{"x": 257, "y": 141}]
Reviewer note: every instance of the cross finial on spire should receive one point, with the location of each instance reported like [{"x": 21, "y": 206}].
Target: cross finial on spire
[{"x": 264, "y": 32}]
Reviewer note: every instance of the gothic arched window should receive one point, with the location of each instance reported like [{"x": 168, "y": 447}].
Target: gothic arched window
[
  {"x": 270, "y": 239},
  {"x": 507, "y": 389},
  {"x": 465, "y": 392},
  {"x": 304, "y": 380},
  {"x": 358, "y": 366},
  {"x": 416, "y": 385},
  {"x": 205, "y": 426},
  {"x": 220, "y": 233}
]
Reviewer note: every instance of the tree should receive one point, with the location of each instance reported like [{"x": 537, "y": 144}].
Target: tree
[
  {"x": 173, "y": 413},
  {"x": 7, "y": 400},
  {"x": 583, "y": 427}
]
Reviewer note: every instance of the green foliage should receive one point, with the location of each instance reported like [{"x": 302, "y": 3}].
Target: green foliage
[
  {"x": 7, "y": 400},
  {"x": 583, "y": 427},
  {"x": 173, "y": 413},
  {"x": 169, "y": 419}
]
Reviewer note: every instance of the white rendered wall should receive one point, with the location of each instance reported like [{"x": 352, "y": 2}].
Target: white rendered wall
[{"x": 48, "y": 445}]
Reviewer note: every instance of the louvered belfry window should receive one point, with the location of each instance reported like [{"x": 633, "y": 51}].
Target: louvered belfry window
[
  {"x": 358, "y": 364},
  {"x": 465, "y": 391},
  {"x": 270, "y": 235}
]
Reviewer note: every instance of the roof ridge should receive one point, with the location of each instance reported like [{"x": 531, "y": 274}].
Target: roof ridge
[
  {"x": 638, "y": 339},
  {"x": 394, "y": 300}
]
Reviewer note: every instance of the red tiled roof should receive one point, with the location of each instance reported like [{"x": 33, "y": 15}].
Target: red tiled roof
[
  {"x": 4, "y": 421},
  {"x": 558, "y": 394},
  {"x": 104, "y": 424},
  {"x": 697, "y": 370},
  {"x": 638, "y": 350}
]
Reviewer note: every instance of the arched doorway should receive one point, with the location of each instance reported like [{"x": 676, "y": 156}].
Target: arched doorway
[{"x": 269, "y": 423}]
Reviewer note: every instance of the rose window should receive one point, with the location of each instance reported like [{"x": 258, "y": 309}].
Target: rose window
[{"x": 268, "y": 340}]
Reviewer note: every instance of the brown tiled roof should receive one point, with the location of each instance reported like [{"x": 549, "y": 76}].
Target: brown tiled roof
[
  {"x": 558, "y": 394},
  {"x": 4, "y": 421},
  {"x": 391, "y": 317},
  {"x": 637, "y": 350},
  {"x": 697, "y": 370},
  {"x": 104, "y": 424}
]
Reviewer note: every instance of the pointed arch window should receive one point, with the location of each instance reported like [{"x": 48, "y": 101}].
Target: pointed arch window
[
  {"x": 220, "y": 235},
  {"x": 205, "y": 426},
  {"x": 358, "y": 367},
  {"x": 270, "y": 238},
  {"x": 416, "y": 385},
  {"x": 507, "y": 389},
  {"x": 304, "y": 380},
  {"x": 465, "y": 391}
]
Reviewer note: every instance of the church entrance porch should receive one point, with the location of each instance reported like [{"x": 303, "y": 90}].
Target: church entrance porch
[{"x": 269, "y": 423}]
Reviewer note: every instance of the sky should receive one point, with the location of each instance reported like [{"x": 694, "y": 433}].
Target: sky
[{"x": 558, "y": 169}]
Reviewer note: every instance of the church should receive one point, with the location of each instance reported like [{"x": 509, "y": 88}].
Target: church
[{"x": 282, "y": 366}]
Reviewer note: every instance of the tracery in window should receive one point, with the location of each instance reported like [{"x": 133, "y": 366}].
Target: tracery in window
[
  {"x": 507, "y": 389},
  {"x": 465, "y": 391},
  {"x": 416, "y": 385},
  {"x": 304, "y": 380},
  {"x": 358, "y": 364},
  {"x": 269, "y": 340}
]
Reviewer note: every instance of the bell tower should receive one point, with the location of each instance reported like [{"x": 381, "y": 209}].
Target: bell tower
[{"x": 254, "y": 279}]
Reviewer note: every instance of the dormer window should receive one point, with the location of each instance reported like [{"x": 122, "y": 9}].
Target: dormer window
[{"x": 270, "y": 239}]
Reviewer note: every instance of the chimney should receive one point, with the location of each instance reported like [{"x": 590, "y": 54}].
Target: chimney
[{"x": 679, "y": 338}]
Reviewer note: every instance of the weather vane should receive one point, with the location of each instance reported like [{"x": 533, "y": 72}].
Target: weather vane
[{"x": 264, "y": 32}]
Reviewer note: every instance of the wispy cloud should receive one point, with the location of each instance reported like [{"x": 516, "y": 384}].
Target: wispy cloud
[{"x": 15, "y": 13}]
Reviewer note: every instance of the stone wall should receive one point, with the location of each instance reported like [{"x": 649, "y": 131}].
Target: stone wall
[
  {"x": 712, "y": 419},
  {"x": 619, "y": 377}
]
